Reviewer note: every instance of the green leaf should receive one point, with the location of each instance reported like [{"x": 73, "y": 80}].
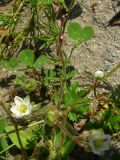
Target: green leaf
[
  {"x": 25, "y": 136},
  {"x": 45, "y": 38},
  {"x": 74, "y": 86},
  {"x": 71, "y": 74},
  {"x": 56, "y": 97},
  {"x": 67, "y": 146},
  {"x": 83, "y": 93},
  {"x": 68, "y": 98},
  {"x": 83, "y": 106},
  {"x": 45, "y": 2},
  {"x": 19, "y": 80},
  {"x": 3, "y": 141},
  {"x": 114, "y": 119},
  {"x": 61, "y": 1},
  {"x": 80, "y": 34},
  {"x": 87, "y": 33},
  {"x": 73, "y": 116},
  {"x": 74, "y": 31},
  {"x": 13, "y": 62},
  {"x": 40, "y": 62},
  {"x": 2, "y": 125},
  {"x": 6, "y": 64},
  {"x": 27, "y": 57}
]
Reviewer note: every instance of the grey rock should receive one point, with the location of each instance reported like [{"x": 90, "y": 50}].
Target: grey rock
[
  {"x": 107, "y": 66},
  {"x": 110, "y": 59}
]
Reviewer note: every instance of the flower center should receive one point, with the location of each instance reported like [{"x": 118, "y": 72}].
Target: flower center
[
  {"x": 23, "y": 108},
  {"x": 97, "y": 142}
]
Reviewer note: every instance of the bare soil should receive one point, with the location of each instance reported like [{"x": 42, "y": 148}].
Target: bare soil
[{"x": 103, "y": 51}]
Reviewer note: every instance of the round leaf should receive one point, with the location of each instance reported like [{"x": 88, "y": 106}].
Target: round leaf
[
  {"x": 74, "y": 31},
  {"x": 13, "y": 62},
  {"x": 27, "y": 57},
  {"x": 87, "y": 33},
  {"x": 42, "y": 60}
]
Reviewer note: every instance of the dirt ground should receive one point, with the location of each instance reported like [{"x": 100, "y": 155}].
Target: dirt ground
[{"x": 103, "y": 51}]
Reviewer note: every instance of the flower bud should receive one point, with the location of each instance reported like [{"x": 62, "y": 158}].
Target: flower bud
[
  {"x": 99, "y": 74},
  {"x": 52, "y": 115},
  {"x": 53, "y": 154},
  {"x": 30, "y": 85}
]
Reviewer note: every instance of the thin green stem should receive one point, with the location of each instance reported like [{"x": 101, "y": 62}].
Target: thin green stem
[
  {"x": 72, "y": 50},
  {"x": 112, "y": 71},
  {"x": 76, "y": 139},
  {"x": 7, "y": 148},
  {"x": 30, "y": 125},
  {"x": 94, "y": 88}
]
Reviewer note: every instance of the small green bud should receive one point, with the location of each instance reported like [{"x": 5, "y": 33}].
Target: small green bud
[
  {"x": 52, "y": 117},
  {"x": 53, "y": 154},
  {"x": 30, "y": 85}
]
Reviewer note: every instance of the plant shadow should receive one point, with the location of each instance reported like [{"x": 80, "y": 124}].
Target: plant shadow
[
  {"x": 5, "y": 82},
  {"x": 4, "y": 2},
  {"x": 75, "y": 12},
  {"x": 80, "y": 154}
]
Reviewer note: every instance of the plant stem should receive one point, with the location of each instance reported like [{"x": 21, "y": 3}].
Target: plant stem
[
  {"x": 94, "y": 88},
  {"x": 72, "y": 50},
  {"x": 16, "y": 129},
  {"x": 112, "y": 71},
  {"x": 60, "y": 54},
  {"x": 18, "y": 10},
  {"x": 74, "y": 138},
  {"x": 30, "y": 125},
  {"x": 7, "y": 148}
]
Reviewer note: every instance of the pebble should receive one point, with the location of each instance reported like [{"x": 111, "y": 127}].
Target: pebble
[
  {"x": 107, "y": 66},
  {"x": 111, "y": 57}
]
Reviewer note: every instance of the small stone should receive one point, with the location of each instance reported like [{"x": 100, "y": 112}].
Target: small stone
[
  {"x": 114, "y": 54},
  {"x": 107, "y": 67},
  {"x": 110, "y": 59}
]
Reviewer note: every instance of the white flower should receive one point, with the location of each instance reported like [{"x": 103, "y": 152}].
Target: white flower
[
  {"x": 99, "y": 74},
  {"x": 99, "y": 142},
  {"x": 21, "y": 107}
]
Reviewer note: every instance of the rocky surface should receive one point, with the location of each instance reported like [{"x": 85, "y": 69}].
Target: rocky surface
[{"x": 103, "y": 51}]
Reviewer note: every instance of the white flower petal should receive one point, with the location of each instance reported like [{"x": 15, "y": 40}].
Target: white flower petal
[
  {"x": 27, "y": 113},
  {"x": 102, "y": 139},
  {"x": 13, "y": 109},
  {"x": 18, "y": 100},
  {"x": 18, "y": 116},
  {"x": 97, "y": 151},
  {"x": 27, "y": 100},
  {"x": 21, "y": 107},
  {"x": 106, "y": 145},
  {"x": 29, "y": 108}
]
